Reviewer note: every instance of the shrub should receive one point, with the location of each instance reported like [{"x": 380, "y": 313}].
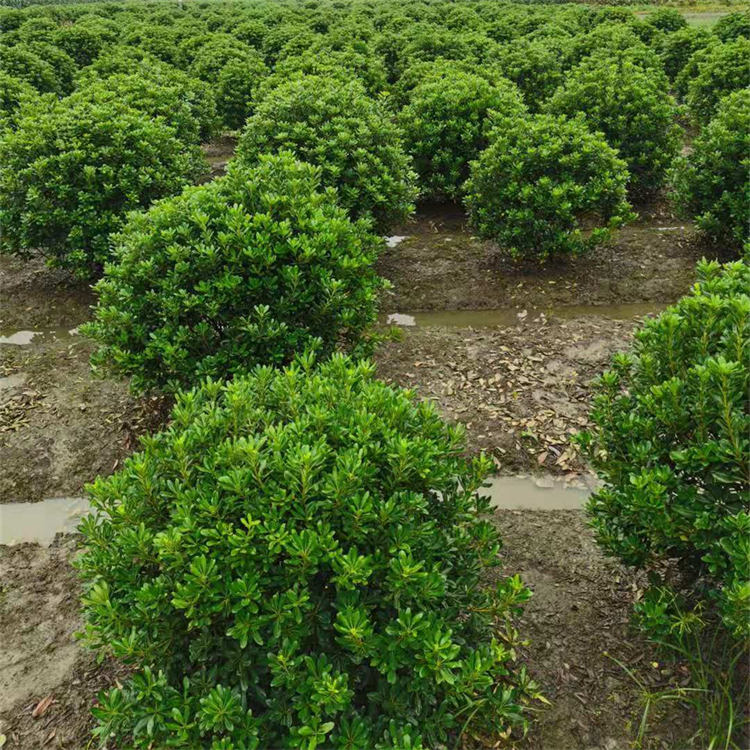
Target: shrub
[
  {"x": 445, "y": 127},
  {"x": 725, "y": 68},
  {"x": 713, "y": 182},
  {"x": 63, "y": 64},
  {"x": 335, "y": 125},
  {"x": 538, "y": 186},
  {"x": 677, "y": 48},
  {"x": 671, "y": 443},
  {"x": 249, "y": 269},
  {"x": 20, "y": 62},
  {"x": 609, "y": 39},
  {"x": 432, "y": 70},
  {"x": 84, "y": 41},
  {"x": 310, "y": 575},
  {"x": 537, "y": 67},
  {"x": 691, "y": 69},
  {"x": 667, "y": 19},
  {"x": 633, "y": 109},
  {"x": 70, "y": 172},
  {"x": 733, "y": 26},
  {"x": 14, "y": 94}
]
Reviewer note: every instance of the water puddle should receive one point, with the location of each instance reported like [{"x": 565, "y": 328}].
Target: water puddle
[
  {"x": 39, "y": 522},
  {"x": 511, "y": 316},
  {"x": 539, "y": 493},
  {"x": 20, "y": 337}
]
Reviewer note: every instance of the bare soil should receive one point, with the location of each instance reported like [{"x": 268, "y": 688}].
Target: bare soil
[{"x": 521, "y": 390}]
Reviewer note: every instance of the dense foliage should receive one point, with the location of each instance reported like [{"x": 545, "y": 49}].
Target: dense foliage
[
  {"x": 310, "y": 575},
  {"x": 633, "y": 109},
  {"x": 14, "y": 94},
  {"x": 446, "y": 123},
  {"x": 724, "y": 69},
  {"x": 547, "y": 186},
  {"x": 712, "y": 183},
  {"x": 71, "y": 171},
  {"x": 732, "y": 26},
  {"x": 678, "y": 48},
  {"x": 671, "y": 443},
  {"x": 249, "y": 269},
  {"x": 336, "y": 126}
]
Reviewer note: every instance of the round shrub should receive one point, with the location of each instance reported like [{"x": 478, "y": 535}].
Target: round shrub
[
  {"x": 309, "y": 577},
  {"x": 733, "y": 26},
  {"x": 633, "y": 109},
  {"x": 14, "y": 94},
  {"x": 236, "y": 87},
  {"x": 335, "y": 125},
  {"x": 671, "y": 443},
  {"x": 537, "y": 67},
  {"x": 432, "y": 70},
  {"x": 724, "y": 69},
  {"x": 667, "y": 19},
  {"x": 713, "y": 182},
  {"x": 445, "y": 126},
  {"x": 547, "y": 186},
  {"x": 691, "y": 69},
  {"x": 24, "y": 64},
  {"x": 84, "y": 41},
  {"x": 70, "y": 172},
  {"x": 63, "y": 64},
  {"x": 678, "y": 48},
  {"x": 608, "y": 39},
  {"x": 249, "y": 269}
]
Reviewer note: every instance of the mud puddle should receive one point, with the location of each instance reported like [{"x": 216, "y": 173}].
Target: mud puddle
[
  {"x": 539, "y": 493},
  {"x": 40, "y": 522},
  {"x": 511, "y": 316},
  {"x": 20, "y": 337}
]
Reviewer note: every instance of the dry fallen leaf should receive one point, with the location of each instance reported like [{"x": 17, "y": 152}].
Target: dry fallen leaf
[{"x": 42, "y": 706}]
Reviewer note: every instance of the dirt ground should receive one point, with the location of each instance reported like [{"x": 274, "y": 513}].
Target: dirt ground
[{"x": 520, "y": 388}]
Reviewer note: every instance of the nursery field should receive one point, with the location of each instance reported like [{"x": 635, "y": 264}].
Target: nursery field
[{"x": 374, "y": 375}]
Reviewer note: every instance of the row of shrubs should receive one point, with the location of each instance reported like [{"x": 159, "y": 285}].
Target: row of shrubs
[
  {"x": 432, "y": 111},
  {"x": 297, "y": 559}
]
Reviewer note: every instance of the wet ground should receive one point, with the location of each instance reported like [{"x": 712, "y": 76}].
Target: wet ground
[{"x": 507, "y": 349}]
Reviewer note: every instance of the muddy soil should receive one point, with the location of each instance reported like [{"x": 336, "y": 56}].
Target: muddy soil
[{"x": 441, "y": 265}]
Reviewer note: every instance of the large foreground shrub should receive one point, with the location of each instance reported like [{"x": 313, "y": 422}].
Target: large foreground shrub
[
  {"x": 296, "y": 562},
  {"x": 335, "y": 125},
  {"x": 671, "y": 443},
  {"x": 246, "y": 270},
  {"x": 446, "y": 123},
  {"x": 712, "y": 183},
  {"x": 546, "y": 186},
  {"x": 71, "y": 171},
  {"x": 633, "y": 109}
]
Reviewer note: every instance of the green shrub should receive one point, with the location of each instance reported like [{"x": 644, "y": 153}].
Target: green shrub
[
  {"x": 432, "y": 70},
  {"x": 667, "y": 19},
  {"x": 71, "y": 171},
  {"x": 335, "y": 125},
  {"x": 609, "y": 39},
  {"x": 14, "y": 94},
  {"x": 309, "y": 577},
  {"x": 671, "y": 443},
  {"x": 713, "y": 182},
  {"x": 678, "y": 48},
  {"x": 733, "y": 26},
  {"x": 445, "y": 127},
  {"x": 537, "y": 67},
  {"x": 249, "y": 269},
  {"x": 83, "y": 41},
  {"x": 633, "y": 109},
  {"x": 725, "y": 68},
  {"x": 691, "y": 69},
  {"x": 160, "y": 42},
  {"x": 24, "y": 64},
  {"x": 547, "y": 186}
]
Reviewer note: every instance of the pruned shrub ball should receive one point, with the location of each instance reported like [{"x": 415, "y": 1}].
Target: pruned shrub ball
[
  {"x": 252, "y": 268},
  {"x": 547, "y": 186}
]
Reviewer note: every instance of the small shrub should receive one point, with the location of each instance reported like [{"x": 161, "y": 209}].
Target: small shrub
[
  {"x": 733, "y": 26},
  {"x": 84, "y": 42},
  {"x": 432, "y": 70},
  {"x": 725, "y": 68},
  {"x": 667, "y": 19},
  {"x": 249, "y": 269},
  {"x": 671, "y": 443},
  {"x": 63, "y": 64},
  {"x": 678, "y": 48},
  {"x": 713, "y": 182},
  {"x": 547, "y": 186},
  {"x": 335, "y": 125},
  {"x": 445, "y": 127},
  {"x": 22, "y": 63},
  {"x": 71, "y": 171},
  {"x": 310, "y": 575},
  {"x": 633, "y": 109}
]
